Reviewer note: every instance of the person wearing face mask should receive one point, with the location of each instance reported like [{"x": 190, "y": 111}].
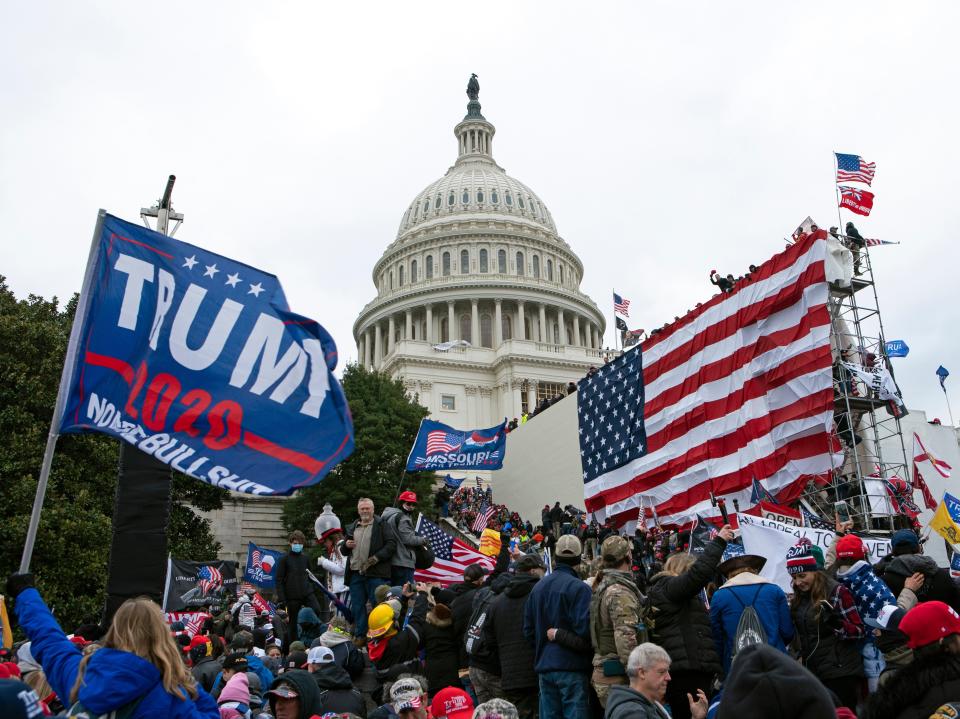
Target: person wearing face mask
[{"x": 294, "y": 589}]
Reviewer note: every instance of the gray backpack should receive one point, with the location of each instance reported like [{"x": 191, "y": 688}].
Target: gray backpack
[{"x": 750, "y": 630}]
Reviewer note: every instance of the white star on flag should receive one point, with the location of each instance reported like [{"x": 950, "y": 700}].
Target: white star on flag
[
  {"x": 255, "y": 290},
  {"x": 190, "y": 262},
  {"x": 233, "y": 279},
  {"x": 211, "y": 270}
]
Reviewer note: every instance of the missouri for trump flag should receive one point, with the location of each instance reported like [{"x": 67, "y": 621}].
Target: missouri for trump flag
[
  {"x": 439, "y": 446},
  {"x": 195, "y": 359}
]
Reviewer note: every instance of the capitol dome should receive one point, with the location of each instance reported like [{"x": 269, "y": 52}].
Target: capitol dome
[{"x": 478, "y": 306}]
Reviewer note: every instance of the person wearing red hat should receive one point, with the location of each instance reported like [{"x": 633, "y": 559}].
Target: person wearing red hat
[
  {"x": 933, "y": 632},
  {"x": 451, "y": 703},
  {"x": 400, "y": 518},
  {"x": 334, "y": 564}
]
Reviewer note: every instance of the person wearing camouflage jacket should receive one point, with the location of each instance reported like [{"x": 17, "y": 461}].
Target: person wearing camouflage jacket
[{"x": 614, "y": 616}]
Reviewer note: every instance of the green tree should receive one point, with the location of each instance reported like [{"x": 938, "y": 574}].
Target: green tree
[
  {"x": 73, "y": 542},
  {"x": 385, "y": 423}
]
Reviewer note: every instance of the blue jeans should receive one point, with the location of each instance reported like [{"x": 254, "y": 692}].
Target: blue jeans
[
  {"x": 564, "y": 694},
  {"x": 361, "y": 590}
]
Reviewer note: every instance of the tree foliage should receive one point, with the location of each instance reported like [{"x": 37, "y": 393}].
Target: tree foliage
[
  {"x": 73, "y": 542},
  {"x": 385, "y": 424}
]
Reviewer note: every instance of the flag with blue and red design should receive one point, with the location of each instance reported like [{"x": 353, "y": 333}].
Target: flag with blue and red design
[
  {"x": 261, "y": 565},
  {"x": 196, "y": 359},
  {"x": 440, "y": 447},
  {"x": 196, "y": 584},
  {"x": 856, "y": 200},
  {"x": 813, "y": 521},
  {"x": 759, "y": 494},
  {"x": 853, "y": 168},
  {"x": 451, "y": 555}
]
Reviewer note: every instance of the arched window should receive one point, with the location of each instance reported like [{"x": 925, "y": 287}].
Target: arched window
[
  {"x": 444, "y": 330},
  {"x": 506, "y": 328},
  {"x": 536, "y": 266},
  {"x": 465, "y": 328},
  {"x": 413, "y": 271},
  {"x": 494, "y": 197},
  {"x": 451, "y": 198},
  {"x": 479, "y": 197},
  {"x": 570, "y": 338},
  {"x": 426, "y": 207},
  {"x": 400, "y": 275},
  {"x": 464, "y": 262},
  {"x": 508, "y": 198},
  {"x": 550, "y": 270},
  {"x": 502, "y": 262},
  {"x": 445, "y": 261},
  {"x": 438, "y": 202},
  {"x": 520, "y": 201},
  {"x": 560, "y": 269},
  {"x": 483, "y": 261},
  {"x": 520, "y": 268},
  {"x": 526, "y": 329},
  {"x": 429, "y": 269},
  {"x": 465, "y": 198},
  {"x": 486, "y": 331}
]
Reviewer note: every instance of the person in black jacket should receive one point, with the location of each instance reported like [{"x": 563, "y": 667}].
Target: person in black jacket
[
  {"x": 682, "y": 624},
  {"x": 294, "y": 589},
  {"x": 440, "y": 652},
  {"x": 519, "y": 682},
  {"x": 369, "y": 545},
  {"x": 394, "y": 640},
  {"x": 905, "y": 559},
  {"x": 337, "y": 693}
]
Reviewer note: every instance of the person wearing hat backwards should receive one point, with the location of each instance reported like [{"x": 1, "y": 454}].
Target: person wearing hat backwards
[
  {"x": 614, "y": 616},
  {"x": 294, "y": 695},
  {"x": 745, "y": 587},
  {"x": 556, "y": 621},
  {"x": 401, "y": 519},
  {"x": 933, "y": 633},
  {"x": 829, "y": 628}
]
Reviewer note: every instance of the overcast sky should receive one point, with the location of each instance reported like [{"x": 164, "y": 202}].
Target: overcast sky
[{"x": 667, "y": 139}]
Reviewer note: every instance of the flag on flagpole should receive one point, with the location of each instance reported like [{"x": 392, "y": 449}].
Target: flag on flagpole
[
  {"x": 924, "y": 460},
  {"x": 452, "y": 556},
  {"x": 942, "y": 373},
  {"x": 856, "y": 200},
  {"x": 946, "y": 520},
  {"x": 759, "y": 494},
  {"x": 873, "y": 243},
  {"x": 620, "y": 305},
  {"x": 853, "y": 168}
]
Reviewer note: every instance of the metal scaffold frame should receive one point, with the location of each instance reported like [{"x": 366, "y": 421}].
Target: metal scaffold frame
[{"x": 865, "y": 423}]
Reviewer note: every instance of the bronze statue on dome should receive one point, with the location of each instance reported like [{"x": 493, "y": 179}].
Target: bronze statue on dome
[{"x": 473, "y": 87}]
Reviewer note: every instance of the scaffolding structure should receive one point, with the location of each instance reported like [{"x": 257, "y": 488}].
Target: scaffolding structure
[{"x": 867, "y": 426}]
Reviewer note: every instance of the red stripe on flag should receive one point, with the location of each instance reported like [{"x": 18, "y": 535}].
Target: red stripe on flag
[
  {"x": 290, "y": 456},
  {"x": 117, "y": 365}
]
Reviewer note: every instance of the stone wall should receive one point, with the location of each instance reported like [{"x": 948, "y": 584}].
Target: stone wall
[{"x": 246, "y": 518}]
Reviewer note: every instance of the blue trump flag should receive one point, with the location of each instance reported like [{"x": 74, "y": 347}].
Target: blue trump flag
[
  {"x": 441, "y": 447},
  {"x": 196, "y": 359},
  {"x": 896, "y": 348},
  {"x": 261, "y": 566},
  {"x": 452, "y": 482}
]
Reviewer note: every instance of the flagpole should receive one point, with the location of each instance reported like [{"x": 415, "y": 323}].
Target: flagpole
[
  {"x": 949, "y": 411},
  {"x": 836, "y": 190},
  {"x": 66, "y": 376},
  {"x": 615, "y": 330}
]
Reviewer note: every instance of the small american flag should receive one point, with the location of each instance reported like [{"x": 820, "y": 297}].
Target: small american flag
[
  {"x": 452, "y": 556},
  {"x": 483, "y": 516},
  {"x": 210, "y": 579},
  {"x": 853, "y": 168},
  {"x": 873, "y": 243},
  {"x": 621, "y": 305},
  {"x": 439, "y": 442},
  {"x": 813, "y": 521}
]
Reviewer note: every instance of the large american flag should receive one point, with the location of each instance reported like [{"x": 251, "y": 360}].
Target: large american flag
[
  {"x": 853, "y": 168},
  {"x": 739, "y": 388},
  {"x": 621, "y": 305},
  {"x": 439, "y": 442},
  {"x": 453, "y": 556},
  {"x": 483, "y": 516}
]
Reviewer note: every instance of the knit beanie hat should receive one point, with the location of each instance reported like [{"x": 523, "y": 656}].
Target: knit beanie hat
[
  {"x": 496, "y": 709},
  {"x": 850, "y": 546},
  {"x": 800, "y": 559},
  {"x": 236, "y": 690},
  {"x": 765, "y": 682}
]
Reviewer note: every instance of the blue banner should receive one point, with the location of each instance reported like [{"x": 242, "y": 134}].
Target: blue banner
[
  {"x": 896, "y": 348},
  {"x": 261, "y": 566},
  {"x": 195, "y": 359},
  {"x": 441, "y": 447},
  {"x": 452, "y": 482}
]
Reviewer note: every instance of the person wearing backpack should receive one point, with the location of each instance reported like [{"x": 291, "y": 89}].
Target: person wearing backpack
[
  {"x": 400, "y": 518},
  {"x": 137, "y": 671},
  {"x": 681, "y": 624},
  {"x": 616, "y": 623},
  {"x": 483, "y": 660},
  {"x": 747, "y": 609}
]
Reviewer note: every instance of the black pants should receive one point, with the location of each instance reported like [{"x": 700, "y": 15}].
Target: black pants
[
  {"x": 681, "y": 684},
  {"x": 293, "y": 609},
  {"x": 846, "y": 688},
  {"x": 527, "y": 702}
]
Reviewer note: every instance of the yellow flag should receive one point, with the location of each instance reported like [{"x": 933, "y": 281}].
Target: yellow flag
[
  {"x": 5, "y": 622},
  {"x": 944, "y": 520},
  {"x": 490, "y": 542}
]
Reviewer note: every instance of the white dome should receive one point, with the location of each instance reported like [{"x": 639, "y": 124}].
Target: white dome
[{"x": 475, "y": 188}]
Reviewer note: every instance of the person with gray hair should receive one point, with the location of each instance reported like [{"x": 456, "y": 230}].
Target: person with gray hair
[{"x": 648, "y": 668}]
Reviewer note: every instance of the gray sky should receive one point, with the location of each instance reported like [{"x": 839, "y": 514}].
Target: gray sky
[{"x": 667, "y": 139}]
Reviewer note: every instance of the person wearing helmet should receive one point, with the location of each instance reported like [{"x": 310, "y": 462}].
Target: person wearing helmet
[
  {"x": 400, "y": 518},
  {"x": 388, "y": 646}
]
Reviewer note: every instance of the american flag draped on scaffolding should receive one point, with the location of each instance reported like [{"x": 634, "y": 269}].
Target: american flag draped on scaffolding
[{"x": 738, "y": 389}]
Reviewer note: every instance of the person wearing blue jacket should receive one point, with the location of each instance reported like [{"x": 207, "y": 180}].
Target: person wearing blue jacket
[
  {"x": 745, "y": 587},
  {"x": 556, "y": 621},
  {"x": 138, "y": 668}
]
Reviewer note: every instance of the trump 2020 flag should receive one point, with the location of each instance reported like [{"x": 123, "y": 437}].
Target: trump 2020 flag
[
  {"x": 261, "y": 566},
  {"x": 441, "y": 447},
  {"x": 196, "y": 359}
]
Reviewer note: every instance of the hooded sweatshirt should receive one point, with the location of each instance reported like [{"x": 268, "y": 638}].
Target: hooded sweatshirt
[
  {"x": 306, "y": 687},
  {"x": 937, "y": 585},
  {"x": 626, "y": 703},
  {"x": 113, "y": 678},
  {"x": 236, "y": 694},
  {"x": 345, "y": 654},
  {"x": 337, "y": 693}
]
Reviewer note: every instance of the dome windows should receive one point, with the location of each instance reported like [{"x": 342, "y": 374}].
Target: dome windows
[
  {"x": 451, "y": 199},
  {"x": 426, "y": 207},
  {"x": 520, "y": 201},
  {"x": 438, "y": 202},
  {"x": 413, "y": 271},
  {"x": 520, "y": 267},
  {"x": 464, "y": 262},
  {"x": 536, "y": 266},
  {"x": 502, "y": 262},
  {"x": 550, "y": 270},
  {"x": 465, "y": 198},
  {"x": 508, "y": 198},
  {"x": 465, "y": 333},
  {"x": 428, "y": 270},
  {"x": 486, "y": 331},
  {"x": 400, "y": 275},
  {"x": 479, "y": 197},
  {"x": 560, "y": 270},
  {"x": 483, "y": 261},
  {"x": 445, "y": 263},
  {"x": 494, "y": 197}
]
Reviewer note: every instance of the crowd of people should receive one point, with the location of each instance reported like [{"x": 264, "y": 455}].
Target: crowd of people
[{"x": 592, "y": 624}]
